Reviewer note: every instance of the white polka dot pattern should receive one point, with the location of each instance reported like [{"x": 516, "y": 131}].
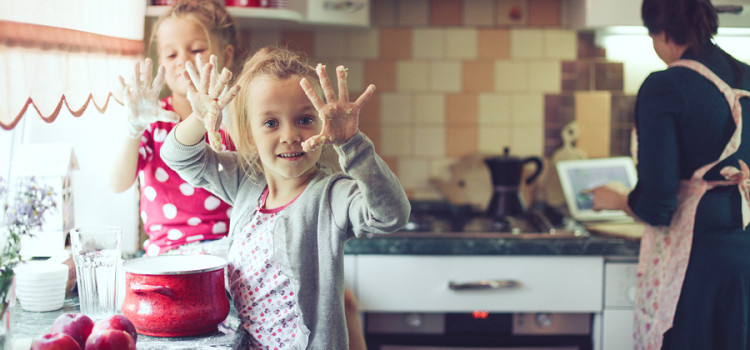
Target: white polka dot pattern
[
  {"x": 211, "y": 203},
  {"x": 169, "y": 210},
  {"x": 194, "y": 221},
  {"x": 186, "y": 189},
  {"x": 174, "y": 234},
  {"x": 161, "y": 175},
  {"x": 150, "y": 193}
]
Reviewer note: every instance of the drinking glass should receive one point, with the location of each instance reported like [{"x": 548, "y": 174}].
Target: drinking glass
[{"x": 96, "y": 253}]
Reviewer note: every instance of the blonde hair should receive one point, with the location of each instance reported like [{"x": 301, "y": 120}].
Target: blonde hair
[
  {"x": 211, "y": 15},
  {"x": 273, "y": 62}
]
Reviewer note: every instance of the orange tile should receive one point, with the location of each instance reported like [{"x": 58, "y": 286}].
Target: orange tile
[
  {"x": 299, "y": 40},
  {"x": 446, "y": 12},
  {"x": 544, "y": 13},
  {"x": 395, "y": 43},
  {"x": 462, "y": 110},
  {"x": 392, "y": 163},
  {"x": 494, "y": 43},
  {"x": 461, "y": 141},
  {"x": 478, "y": 76},
  {"x": 373, "y": 132},
  {"x": 382, "y": 73}
]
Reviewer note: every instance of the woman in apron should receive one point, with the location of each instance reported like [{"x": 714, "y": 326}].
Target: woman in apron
[{"x": 693, "y": 186}]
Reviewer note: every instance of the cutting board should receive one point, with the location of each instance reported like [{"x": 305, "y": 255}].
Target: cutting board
[{"x": 626, "y": 230}]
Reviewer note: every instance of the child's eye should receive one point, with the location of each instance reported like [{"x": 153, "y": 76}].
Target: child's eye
[
  {"x": 307, "y": 120},
  {"x": 270, "y": 123},
  {"x": 199, "y": 51}
]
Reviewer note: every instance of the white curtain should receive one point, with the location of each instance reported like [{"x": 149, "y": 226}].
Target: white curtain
[{"x": 58, "y": 54}]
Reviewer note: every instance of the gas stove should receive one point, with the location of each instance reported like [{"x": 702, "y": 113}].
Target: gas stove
[{"x": 444, "y": 219}]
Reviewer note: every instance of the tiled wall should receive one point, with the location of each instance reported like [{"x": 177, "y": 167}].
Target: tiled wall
[{"x": 454, "y": 78}]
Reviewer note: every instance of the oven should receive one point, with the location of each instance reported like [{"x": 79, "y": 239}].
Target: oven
[{"x": 478, "y": 330}]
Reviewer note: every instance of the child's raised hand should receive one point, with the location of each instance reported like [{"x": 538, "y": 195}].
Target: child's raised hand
[
  {"x": 141, "y": 99},
  {"x": 209, "y": 96},
  {"x": 340, "y": 117}
]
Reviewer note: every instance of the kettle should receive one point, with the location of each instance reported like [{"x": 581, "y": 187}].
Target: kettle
[{"x": 506, "y": 172}]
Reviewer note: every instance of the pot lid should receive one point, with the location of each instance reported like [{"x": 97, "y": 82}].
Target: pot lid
[{"x": 174, "y": 264}]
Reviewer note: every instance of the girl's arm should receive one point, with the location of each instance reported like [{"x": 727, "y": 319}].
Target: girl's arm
[{"x": 141, "y": 100}]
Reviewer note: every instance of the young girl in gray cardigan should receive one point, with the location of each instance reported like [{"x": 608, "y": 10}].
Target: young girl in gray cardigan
[{"x": 292, "y": 214}]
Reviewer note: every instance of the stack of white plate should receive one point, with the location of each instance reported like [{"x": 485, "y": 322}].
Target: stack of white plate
[{"x": 40, "y": 286}]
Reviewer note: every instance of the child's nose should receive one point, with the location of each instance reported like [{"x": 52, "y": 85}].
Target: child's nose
[{"x": 290, "y": 135}]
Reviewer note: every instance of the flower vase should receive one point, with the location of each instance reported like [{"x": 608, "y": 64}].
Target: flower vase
[{"x": 7, "y": 304}]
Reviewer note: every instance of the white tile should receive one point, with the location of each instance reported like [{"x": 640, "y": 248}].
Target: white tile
[
  {"x": 494, "y": 110},
  {"x": 429, "y": 109},
  {"x": 527, "y": 110},
  {"x": 396, "y": 109},
  {"x": 511, "y": 76},
  {"x": 428, "y": 43},
  {"x": 527, "y": 141},
  {"x": 561, "y": 44},
  {"x": 526, "y": 43},
  {"x": 461, "y": 43},
  {"x": 446, "y": 76},
  {"x": 429, "y": 141},
  {"x": 329, "y": 44},
  {"x": 396, "y": 141},
  {"x": 413, "y": 12},
  {"x": 479, "y": 12},
  {"x": 411, "y": 75},
  {"x": 363, "y": 44},
  {"x": 413, "y": 173},
  {"x": 492, "y": 140},
  {"x": 263, "y": 38},
  {"x": 545, "y": 76}
]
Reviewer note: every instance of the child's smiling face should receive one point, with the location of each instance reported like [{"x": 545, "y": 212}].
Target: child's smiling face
[
  {"x": 179, "y": 40},
  {"x": 281, "y": 117}
]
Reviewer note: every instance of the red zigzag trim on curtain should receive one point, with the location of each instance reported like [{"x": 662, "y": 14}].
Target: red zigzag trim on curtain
[{"x": 50, "y": 118}]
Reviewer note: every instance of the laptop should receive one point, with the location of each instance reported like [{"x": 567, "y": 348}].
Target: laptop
[{"x": 577, "y": 177}]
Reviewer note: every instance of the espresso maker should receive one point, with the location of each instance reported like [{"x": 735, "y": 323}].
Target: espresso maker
[{"x": 506, "y": 172}]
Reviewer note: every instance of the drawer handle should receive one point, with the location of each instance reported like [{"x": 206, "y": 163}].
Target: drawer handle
[
  {"x": 348, "y": 6},
  {"x": 485, "y": 284}
]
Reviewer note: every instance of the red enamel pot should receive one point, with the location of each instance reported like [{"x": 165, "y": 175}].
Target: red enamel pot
[{"x": 175, "y": 295}]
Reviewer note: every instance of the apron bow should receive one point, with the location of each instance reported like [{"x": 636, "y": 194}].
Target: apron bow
[{"x": 742, "y": 177}]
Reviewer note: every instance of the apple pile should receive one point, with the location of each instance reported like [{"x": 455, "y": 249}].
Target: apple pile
[{"x": 74, "y": 331}]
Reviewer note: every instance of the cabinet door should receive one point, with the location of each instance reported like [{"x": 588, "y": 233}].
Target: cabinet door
[
  {"x": 617, "y": 330},
  {"x": 397, "y": 283}
]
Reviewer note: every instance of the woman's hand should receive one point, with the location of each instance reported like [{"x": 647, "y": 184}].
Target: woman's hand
[
  {"x": 340, "y": 117},
  {"x": 141, "y": 99},
  {"x": 209, "y": 96},
  {"x": 612, "y": 196}
]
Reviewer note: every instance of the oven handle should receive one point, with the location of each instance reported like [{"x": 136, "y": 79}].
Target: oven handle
[{"x": 484, "y": 284}]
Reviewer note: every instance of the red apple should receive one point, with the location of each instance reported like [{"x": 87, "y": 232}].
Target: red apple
[
  {"x": 55, "y": 341},
  {"x": 75, "y": 325},
  {"x": 117, "y": 322},
  {"x": 110, "y": 339}
]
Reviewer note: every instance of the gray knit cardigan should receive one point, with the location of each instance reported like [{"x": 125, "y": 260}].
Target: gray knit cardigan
[{"x": 310, "y": 234}]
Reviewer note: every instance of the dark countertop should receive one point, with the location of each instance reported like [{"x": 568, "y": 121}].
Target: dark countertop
[
  {"x": 464, "y": 243},
  {"x": 26, "y": 325}
]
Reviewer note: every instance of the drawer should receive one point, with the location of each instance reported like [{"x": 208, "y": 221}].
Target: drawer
[
  {"x": 620, "y": 280},
  {"x": 397, "y": 283}
]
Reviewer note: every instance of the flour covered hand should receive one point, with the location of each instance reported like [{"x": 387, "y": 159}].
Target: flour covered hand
[
  {"x": 340, "y": 117},
  {"x": 209, "y": 96},
  {"x": 141, "y": 99}
]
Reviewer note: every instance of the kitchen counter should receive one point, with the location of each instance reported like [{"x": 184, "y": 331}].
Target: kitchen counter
[
  {"x": 25, "y": 326},
  {"x": 464, "y": 243}
]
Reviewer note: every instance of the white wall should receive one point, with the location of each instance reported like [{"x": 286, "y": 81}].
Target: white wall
[{"x": 94, "y": 203}]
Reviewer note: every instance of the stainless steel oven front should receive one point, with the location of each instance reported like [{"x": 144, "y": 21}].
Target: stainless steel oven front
[{"x": 478, "y": 330}]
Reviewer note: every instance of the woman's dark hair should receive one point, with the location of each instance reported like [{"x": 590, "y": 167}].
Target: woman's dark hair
[{"x": 686, "y": 22}]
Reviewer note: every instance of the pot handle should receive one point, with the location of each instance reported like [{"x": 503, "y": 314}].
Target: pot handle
[
  {"x": 539, "y": 165},
  {"x": 144, "y": 288}
]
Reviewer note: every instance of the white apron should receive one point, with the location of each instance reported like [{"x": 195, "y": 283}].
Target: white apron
[{"x": 665, "y": 250}]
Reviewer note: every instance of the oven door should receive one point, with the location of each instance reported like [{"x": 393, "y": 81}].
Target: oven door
[{"x": 478, "y": 330}]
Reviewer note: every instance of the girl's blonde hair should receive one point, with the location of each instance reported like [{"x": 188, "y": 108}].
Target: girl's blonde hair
[
  {"x": 211, "y": 15},
  {"x": 273, "y": 62}
]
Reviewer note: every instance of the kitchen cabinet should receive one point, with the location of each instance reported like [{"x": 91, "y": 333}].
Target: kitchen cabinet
[
  {"x": 402, "y": 283},
  {"x": 299, "y": 13},
  {"x": 618, "y": 314}
]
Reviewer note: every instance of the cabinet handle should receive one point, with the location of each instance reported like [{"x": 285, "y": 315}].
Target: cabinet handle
[
  {"x": 485, "y": 284},
  {"x": 349, "y": 6}
]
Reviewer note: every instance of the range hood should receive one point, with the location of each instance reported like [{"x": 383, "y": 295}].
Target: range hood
[{"x": 604, "y": 14}]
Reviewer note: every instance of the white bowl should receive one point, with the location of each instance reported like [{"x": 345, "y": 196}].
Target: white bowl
[
  {"x": 39, "y": 270},
  {"x": 32, "y": 293},
  {"x": 42, "y": 284},
  {"x": 41, "y": 306}
]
